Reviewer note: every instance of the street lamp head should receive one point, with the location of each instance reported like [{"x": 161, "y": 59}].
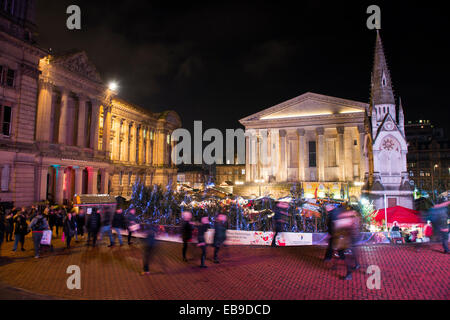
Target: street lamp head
[{"x": 113, "y": 86}]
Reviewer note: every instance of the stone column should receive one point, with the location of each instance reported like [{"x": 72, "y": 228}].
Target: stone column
[
  {"x": 81, "y": 121},
  {"x": 149, "y": 149},
  {"x": 59, "y": 189},
  {"x": 348, "y": 147},
  {"x": 301, "y": 154},
  {"x": 132, "y": 143},
  {"x": 43, "y": 116},
  {"x": 283, "y": 153},
  {"x": 141, "y": 159},
  {"x": 42, "y": 178},
  {"x": 320, "y": 154},
  {"x": 78, "y": 180},
  {"x": 125, "y": 143},
  {"x": 362, "y": 156},
  {"x": 107, "y": 131},
  {"x": 248, "y": 177},
  {"x": 92, "y": 180},
  {"x": 95, "y": 118},
  {"x": 341, "y": 153},
  {"x": 104, "y": 182},
  {"x": 63, "y": 117}
]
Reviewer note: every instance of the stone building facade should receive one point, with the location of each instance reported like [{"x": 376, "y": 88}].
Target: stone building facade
[
  {"x": 317, "y": 138},
  {"x": 63, "y": 131}
]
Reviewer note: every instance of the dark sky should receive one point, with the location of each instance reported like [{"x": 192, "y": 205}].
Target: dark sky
[{"x": 221, "y": 61}]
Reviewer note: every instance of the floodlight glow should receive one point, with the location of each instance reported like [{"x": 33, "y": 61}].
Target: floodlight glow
[{"x": 113, "y": 86}]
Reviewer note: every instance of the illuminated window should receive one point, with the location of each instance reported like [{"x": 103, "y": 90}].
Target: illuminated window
[
  {"x": 121, "y": 178},
  {"x": 168, "y": 139}
]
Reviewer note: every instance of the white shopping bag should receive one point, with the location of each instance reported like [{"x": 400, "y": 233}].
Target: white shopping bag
[{"x": 46, "y": 237}]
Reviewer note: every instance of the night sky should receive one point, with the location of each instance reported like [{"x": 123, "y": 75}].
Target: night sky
[{"x": 221, "y": 61}]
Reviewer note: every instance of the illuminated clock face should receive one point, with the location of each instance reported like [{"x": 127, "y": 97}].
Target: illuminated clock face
[
  {"x": 388, "y": 144},
  {"x": 389, "y": 126}
]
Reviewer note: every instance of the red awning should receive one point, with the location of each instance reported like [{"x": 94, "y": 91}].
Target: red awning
[{"x": 399, "y": 214}]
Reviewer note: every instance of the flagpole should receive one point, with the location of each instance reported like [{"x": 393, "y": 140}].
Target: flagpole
[{"x": 385, "y": 212}]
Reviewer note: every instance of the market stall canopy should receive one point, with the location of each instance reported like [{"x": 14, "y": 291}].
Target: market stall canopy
[
  {"x": 399, "y": 214},
  {"x": 94, "y": 199}
]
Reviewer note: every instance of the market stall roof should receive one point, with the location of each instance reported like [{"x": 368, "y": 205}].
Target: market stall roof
[
  {"x": 399, "y": 214},
  {"x": 94, "y": 199}
]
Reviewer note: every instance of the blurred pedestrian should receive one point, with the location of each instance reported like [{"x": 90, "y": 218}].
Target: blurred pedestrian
[
  {"x": 37, "y": 226},
  {"x": 59, "y": 219},
  {"x": 148, "y": 247},
  {"x": 118, "y": 223},
  {"x": 106, "y": 226},
  {"x": 333, "y": 213},
  {"x": 20, "y": 230},
  {"x": 9, "y": 226},
  {"x": 69, "y": 229},
  {"x": 439, "y": 214},
  {"x": 220, "y": 234},
  {"x": 427, "y": 232},
  {"x": 345, "y": 235},
  {"x": 280, "y": 210},
  {"x": 131, "y": 222},
  {"x": 81, "y": 221},
  {"x": 93, "y": 226},
  {"x": 2, "y": 228},
  {"x": 202, "y": 229},
  {"x": 186, "y": 231}
]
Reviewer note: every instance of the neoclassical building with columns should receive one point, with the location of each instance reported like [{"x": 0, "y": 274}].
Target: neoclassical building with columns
[
  {"x": 63, "y": 131},
  {"x": 331, "y": 145}
]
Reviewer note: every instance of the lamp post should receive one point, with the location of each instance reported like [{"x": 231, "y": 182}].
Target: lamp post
[
  {"x": 432, "y": 181},
  {"x": 385, "y": 212}
]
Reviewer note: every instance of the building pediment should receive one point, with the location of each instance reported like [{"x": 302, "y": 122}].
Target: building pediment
[
  {"x": 388, "y": 126},
  {"x": 79, "y": 63},
  {"x": 308, "y": 105}
]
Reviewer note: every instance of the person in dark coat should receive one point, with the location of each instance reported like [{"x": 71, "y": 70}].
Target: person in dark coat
[
  {"x": 131, "y": 221},
  {"x": 81, "y": 221},
  {"x": 9, "y": 226},
  {"x": 220, "y": 234},
  {"x": 93, "y": 226},
  {"x": 2, "y": 228},
  {"x": 106, "y": 226},
  {"x": 148, "y": 247},
  {"x": 333, "y": 214},
  {"x": 37, "y": 226},
  {"x": 118, "y": 224},
  {"x": 59, "y": 219},
  {"x": 69, "y": 229},
  {"x": 439, "y": 218},
  {"x": 280, "y": 210},
  {"x": 186, "y": 232},
  {"x": 202, "y": 228},
  {"x": 20, "y": 230}
]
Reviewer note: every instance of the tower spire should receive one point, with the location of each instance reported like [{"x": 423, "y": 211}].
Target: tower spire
[{"x": 381, "y": 87}]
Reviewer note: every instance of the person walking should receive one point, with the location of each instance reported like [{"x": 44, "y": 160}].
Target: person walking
[
  {"x": 427, "y": 232},
  {"x": 333, "y": 213},
  {"x": 280, "y": 210},
  {"x": 81, "y": 221},
  {"x": 220, "y": 234},
  {"x": 148, "y": 248},
  {"x": 2, "y": 228},
  {"x": 106, "y": 226},
  {"x": 345, "y": 233},
  {"x": 131, "y": 221},
  {"x": 9, "y": 226},
  {"x": 440, "y": 223},
  {"x": 118, "y": 224},
  {"x": 186, "y": 232},
  {"x": 20, "y": 230},
  {"x": 202, "y": 228},
  {"x": 59, "y": 218},
  {"x": 93, "y": 226},
  {"x": 69, "y": 229},
  {"x": 37, "y": 226}
]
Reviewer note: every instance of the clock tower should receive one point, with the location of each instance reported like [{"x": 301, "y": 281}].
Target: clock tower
[{"x": 387, "y": 176}]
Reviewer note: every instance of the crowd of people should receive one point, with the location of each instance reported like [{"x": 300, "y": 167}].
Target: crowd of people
[
  {"x": 69, "y": 223},
  {"x": 343, "y": 224}
]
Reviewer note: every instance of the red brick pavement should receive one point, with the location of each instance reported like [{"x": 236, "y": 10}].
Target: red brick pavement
[{"x": 244, "y": 273}]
